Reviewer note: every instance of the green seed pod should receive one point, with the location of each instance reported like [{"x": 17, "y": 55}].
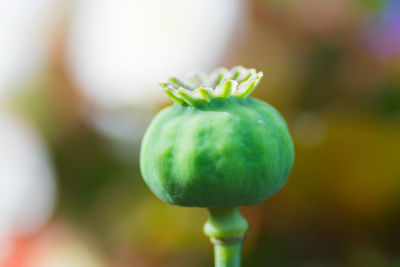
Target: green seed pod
[{"x": 216, "y": 146}]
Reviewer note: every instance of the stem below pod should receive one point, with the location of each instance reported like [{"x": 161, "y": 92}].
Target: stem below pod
[{"x": 226, "y": 228}]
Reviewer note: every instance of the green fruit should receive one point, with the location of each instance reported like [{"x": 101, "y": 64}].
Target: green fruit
[{"x": 216, "y": 147}]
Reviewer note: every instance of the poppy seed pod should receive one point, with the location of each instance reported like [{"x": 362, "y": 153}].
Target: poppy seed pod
[{"x": 216, "y": 147}]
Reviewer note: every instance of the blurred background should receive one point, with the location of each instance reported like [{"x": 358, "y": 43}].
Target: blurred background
[{"x": 79, "y": 85}]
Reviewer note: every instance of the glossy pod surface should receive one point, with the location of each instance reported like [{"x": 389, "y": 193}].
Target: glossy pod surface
[{"x": 227, "y": 152}]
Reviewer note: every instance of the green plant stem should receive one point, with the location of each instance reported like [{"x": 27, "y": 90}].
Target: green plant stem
[
  {"x": 227, "y": 255},
  {"x": 226, "y": 228}
]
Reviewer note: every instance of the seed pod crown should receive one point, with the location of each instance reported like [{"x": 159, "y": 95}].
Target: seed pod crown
[{"x": 200, "y": 88}]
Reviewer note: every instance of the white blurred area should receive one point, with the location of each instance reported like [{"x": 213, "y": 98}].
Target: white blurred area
[
  {"x": 27, "y": 186},
  {"x": 26, "y": 28},
  {"x": 119, "y": 50}
]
